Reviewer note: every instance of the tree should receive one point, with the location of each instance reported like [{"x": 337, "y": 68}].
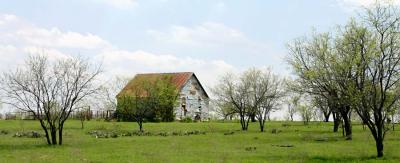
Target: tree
[
  {"x": 83, "y": 114},
  {"x": 110, "y": 90},
  {"x": 322, "y": 105},
  {"x": 306, "y": 113},
  {"x": 148, "y": 100},
  {"x": 224, "y": 109},
  {"x": 50, "y": 90},
  {"x": 232, "y": 90},
  {"x": 293, "y": 104},
  {"x": 376, "y": 78},
  {"x": 167, "y": 96},
  {"x": 315, "y": 62},
  {"x": 264, "y": 93},
  {"x": 253, "y": 93},
  {"x": 136, "y": 107}
]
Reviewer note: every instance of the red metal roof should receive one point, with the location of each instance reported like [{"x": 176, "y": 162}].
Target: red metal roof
[{"x": 178, "y": 79}]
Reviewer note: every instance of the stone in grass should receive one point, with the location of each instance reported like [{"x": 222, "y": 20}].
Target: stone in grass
[
  {"x": 284, "y": 145},
  {"x": 275, "y": 131},
  {"x": 4, "y": 132},
  {"x": 322, "y": 139},
  {"x": 251, "y": 148},
  {"x": 229, "y": 133}
]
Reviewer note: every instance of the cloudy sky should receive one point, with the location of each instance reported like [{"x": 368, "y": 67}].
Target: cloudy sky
[{"x": 208, "y": 37}]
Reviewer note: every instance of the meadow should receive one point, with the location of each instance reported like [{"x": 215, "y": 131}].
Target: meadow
[{"x": 222, "y": 142}]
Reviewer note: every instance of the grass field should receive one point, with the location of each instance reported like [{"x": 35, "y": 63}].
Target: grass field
[{"x": 313, "y": 143}]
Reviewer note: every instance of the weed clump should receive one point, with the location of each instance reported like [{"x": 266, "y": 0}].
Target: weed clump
[
  {"x": 28, "y": 134},
  {"x": 3, "y": 132}
]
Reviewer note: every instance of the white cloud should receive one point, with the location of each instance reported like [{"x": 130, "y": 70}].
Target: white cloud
[
  {"x": 120, "y": 4},
  {"x": 210, "y": 35},
  {"x": 19, "y": 38},
  {"x": 17, "y": 31}
]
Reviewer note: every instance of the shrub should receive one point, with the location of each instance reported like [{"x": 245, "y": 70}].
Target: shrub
[
  {"x": 28, "y": 134},
  {"x": 3, "y": 132},
  {"x": 187, "y": 120}
]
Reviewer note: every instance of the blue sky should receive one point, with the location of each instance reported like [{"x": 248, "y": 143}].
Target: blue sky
[{"x": 209, "y": 37}]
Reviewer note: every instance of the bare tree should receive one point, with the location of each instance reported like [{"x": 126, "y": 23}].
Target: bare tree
[
  {"x": 50, "y": 90},
  {"x": 293, "y": 104},
  {"x": 264, "y": 93},
  {"x": 232, "y": 90},
  {"x": 224, "y": 109},
  {"x": 110, "y": 90}
]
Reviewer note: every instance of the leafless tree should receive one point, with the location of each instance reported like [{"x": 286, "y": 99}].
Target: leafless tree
[
  {"x": 50, "y": 90},
  {"x": 110, "y": 90},
  {"x": 224, "y": 109},
  {"x": 293, "y": 103},
  {"x": 264, "y": 93},
  {"x": 232, "y": 90}
]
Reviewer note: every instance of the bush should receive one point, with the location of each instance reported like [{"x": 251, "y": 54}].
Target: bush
[
  {"x": 3, "y": 132},
  {"x": 187, "y": 120}
]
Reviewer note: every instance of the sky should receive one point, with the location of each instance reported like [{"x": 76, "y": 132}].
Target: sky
[{"x": 208, "y": 37}]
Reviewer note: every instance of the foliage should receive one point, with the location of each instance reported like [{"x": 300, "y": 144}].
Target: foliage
[{"x": 157, "y": 97}]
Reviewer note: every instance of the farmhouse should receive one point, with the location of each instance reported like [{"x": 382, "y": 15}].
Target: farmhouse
[{"x": 193, "y": 100}]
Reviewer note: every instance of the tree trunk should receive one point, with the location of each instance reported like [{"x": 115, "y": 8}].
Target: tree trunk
[
  {"x": 336, "y": 122},
  {"x": 82, "y": 124},
  {"x": 253, "y": 117},
  {"x": 46, "y": 132},
  {"x": 326, "y": 116},
  {"x": 347, "y": 127},
  {"x": 379, "y": 146},
  {"x": 140, "y": 123},
  {"x": 53, "y": 133},
  {"x": 262, "y": 124},
  {"x": 243, "y": 122},
  {"x": 60, "y": 134}
]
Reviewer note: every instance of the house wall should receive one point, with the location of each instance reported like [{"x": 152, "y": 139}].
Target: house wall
[{"x": 194, "y": 99}]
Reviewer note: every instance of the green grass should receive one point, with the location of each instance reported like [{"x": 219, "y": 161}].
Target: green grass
[{"x": 212, "y": 147}]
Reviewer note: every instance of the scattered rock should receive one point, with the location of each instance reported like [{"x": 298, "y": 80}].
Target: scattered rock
[
  {"x": 3, "y": 132},
  {"x": 285, "y": 146},
  {"x": 251, "y": 148},
  {"x": 322, "y": 139},
  {"x": 275, "y": 131},
  {"x": 229, "y": 133}
]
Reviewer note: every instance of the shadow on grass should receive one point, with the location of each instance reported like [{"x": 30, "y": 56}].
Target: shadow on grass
[{"x": 350, "y": 159}]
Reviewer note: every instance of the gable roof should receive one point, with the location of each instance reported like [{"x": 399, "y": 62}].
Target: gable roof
[{"x": 178, "y": 79}]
